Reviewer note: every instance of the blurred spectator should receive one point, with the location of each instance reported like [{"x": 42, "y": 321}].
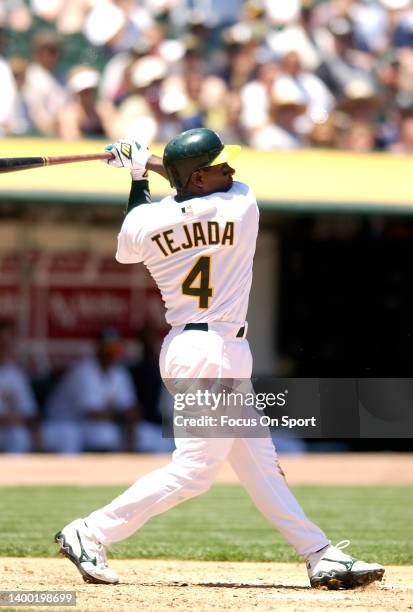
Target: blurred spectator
[
  {"x": 114, "y": 82},
  {"x": 386, "y": 70},
  {"x": 360, "y": 101},
  {"x": 282, "y": 12},
  {"x": 318, "y": 98},
  {"x": 404, "y": 143},
  {"x": 256, "y": 96},
  {"x": 371, "y": 25},
  {"x": 169, "y": 65},
  {"x": 212, "y": 97},
  {"x": 72, "y": 16},
  {"x": 341, "y": 60},
  {"x": 191, "y": 112},
  {"x": 241, "y": 62},
  {"x": 93, "y": 406},
  {"x": 116, "y": 24},
  {"x": 156, "y": 403},
  {"x": 152, "y": 42},
  {"x": 232, "y": 130},
  {"x": 172, "y": 102},
  {"x": 8, "y": 90},
  {"x": 15, "y": 14},
  {"x": 360, "y": 137},
  {"x": 169, "y": 49},
  {"x": 47, "y": 10},
  {"x": 18, "y": 410},
  {"x": 214, "y": 14},
  {"x": 139, "y": 112},
  {"x": 83, "y": 116},
  {"x": 282, "y": 129},
  {"x": 405, "y": 72},
  {"x": 69, "y": 17},
  {"x": 323, "y": 134},
  {"x": 43, "y": 90},
  {"x": 401, "y": 22},
  {"x": 20, "y": 121},
  {"x": 292, "y": 31}
]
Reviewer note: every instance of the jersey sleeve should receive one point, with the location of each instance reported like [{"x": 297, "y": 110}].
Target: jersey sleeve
[
  {"x": 246, "y": 201},
  {"x": 130, "y": 238}
]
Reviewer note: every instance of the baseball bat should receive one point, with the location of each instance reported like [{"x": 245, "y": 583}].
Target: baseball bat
[{"x": 14, "y": 164}]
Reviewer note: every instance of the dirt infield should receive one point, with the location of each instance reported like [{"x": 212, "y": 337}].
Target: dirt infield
[
  {"x": 188, "y": 585},
  {"x": 157, "y": 585},
  {"x": 375, "y": 468}
]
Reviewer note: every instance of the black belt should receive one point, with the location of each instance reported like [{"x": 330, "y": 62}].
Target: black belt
[{"x": 204, "y": 327}]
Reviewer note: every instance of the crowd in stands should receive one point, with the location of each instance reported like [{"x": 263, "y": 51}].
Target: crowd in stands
[
  {"x": 271, "y": 74},
  {"x": 99, "y": 403}
]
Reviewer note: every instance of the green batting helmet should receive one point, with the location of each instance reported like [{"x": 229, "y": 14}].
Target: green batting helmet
[{"x": 193, "y": 150}]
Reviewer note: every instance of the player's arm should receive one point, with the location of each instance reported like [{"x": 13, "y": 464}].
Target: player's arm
[
  {"x": 155, "y": 164},
  {"x": 139, "y": 191},
  {"x": 138, "y": 159}
]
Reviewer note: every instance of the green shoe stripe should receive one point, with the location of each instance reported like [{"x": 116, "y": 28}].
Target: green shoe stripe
[
  {"x": 84, "y": 557},
  {"x": 347, "y": 564}
]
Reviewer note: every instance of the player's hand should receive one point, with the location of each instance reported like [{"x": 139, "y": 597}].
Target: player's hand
[{"x": 131, "y": 155}]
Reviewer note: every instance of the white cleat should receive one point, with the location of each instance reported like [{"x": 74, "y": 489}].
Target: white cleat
[
  {"x": 332, "y": 568},
  {"x": 78, "y": 544}
]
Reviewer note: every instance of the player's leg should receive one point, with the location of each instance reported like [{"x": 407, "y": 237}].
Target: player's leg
[
  {"x": 195, "y": 461},
  {"x": 255, "y": 461},
  {"x": 192, "y": 470},
  {"x": 256, "y": 464}
]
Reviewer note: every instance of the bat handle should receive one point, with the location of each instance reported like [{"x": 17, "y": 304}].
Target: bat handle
[{"x": 13, "y": 164}]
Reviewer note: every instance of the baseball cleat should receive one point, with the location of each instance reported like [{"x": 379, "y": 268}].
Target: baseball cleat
[
  {"x": 78, "y": 544},
  {"x": 333, "y": 569}
]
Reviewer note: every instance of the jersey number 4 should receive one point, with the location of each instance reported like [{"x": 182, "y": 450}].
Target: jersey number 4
[{"x": 196, "y": 283}]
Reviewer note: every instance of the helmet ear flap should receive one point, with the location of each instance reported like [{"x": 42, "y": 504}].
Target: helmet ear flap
[
  {"x": 174, "y": 176},
  {"x": 180, "y": 170}
]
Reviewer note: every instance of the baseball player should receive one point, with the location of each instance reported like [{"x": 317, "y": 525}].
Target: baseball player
[{"x": 199, "y": 246}]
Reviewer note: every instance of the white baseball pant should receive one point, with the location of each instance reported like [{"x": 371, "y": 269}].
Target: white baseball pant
[{"x": 212, "y": 354}]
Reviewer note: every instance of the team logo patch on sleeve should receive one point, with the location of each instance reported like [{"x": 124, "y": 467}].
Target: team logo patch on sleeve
[{"x": 126, "y": 150}]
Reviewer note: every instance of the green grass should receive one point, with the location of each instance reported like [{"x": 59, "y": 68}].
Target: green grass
[{"x": 222, "y": 524}]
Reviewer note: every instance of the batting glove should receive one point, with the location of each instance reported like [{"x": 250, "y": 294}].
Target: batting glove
[{"x": 130, "y": 155}]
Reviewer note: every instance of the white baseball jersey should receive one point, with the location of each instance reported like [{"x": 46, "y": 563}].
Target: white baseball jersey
[{"x": 199, "y": 253}]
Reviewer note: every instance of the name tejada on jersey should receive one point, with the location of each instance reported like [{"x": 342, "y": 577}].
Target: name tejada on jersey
[{"x": 196, "y": 234}]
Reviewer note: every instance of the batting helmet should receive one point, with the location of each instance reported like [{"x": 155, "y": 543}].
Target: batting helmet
[{"x": 193, "y": 150}]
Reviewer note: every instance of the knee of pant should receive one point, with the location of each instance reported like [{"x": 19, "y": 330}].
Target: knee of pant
[
  {"x": 192, "y": 487},
  {"x": 195, "y": 480},
  {"x": 201, "y": 484}
]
